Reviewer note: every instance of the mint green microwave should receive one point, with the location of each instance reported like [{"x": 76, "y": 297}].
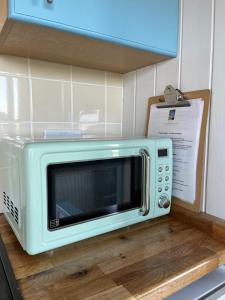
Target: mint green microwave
[{"x": 60, "y": 192}]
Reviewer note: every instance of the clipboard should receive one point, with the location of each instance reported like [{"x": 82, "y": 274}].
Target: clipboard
[{"x": 205, "y": 95}]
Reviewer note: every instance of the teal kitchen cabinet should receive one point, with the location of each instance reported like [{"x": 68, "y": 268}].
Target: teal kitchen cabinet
[{"x": 116, "y": 35}]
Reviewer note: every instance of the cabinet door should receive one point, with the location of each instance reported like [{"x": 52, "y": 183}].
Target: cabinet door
[{"x": 145, "y": 24}]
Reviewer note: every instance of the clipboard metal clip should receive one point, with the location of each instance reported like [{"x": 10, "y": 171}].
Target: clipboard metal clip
[{"x": 173, "y": 98}]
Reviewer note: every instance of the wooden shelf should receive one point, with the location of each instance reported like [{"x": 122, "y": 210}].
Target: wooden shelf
[
  {"x": 150, "y": 260},
  {"x": 38, "y": 42}
]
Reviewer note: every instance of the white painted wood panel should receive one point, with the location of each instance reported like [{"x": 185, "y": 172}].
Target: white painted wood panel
[
  {"x": 167, "y": 73},
  {"x": 196, "y": 44},
  {"x": 145, "y": 88},
  {"x": 215, "y": 197}
]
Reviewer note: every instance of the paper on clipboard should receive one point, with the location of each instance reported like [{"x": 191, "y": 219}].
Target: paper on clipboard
[{"x": 183, "y": 125}]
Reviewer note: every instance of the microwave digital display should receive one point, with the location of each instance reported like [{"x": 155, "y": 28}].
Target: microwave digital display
[{"x": 162, "y": 152}]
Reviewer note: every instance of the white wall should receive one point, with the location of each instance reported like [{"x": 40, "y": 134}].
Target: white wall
[
  {"x": 215, "y": 201},
  {"x": 199, "y": 65}
]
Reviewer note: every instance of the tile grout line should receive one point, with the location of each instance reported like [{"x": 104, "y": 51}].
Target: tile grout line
[
  {"x": 59, "y": 122},
  {"x": 155, "y": 79},
  {"x": 106, "y": 100},
  {"x": 56, "y": 80},
  {"x": 135, "y": 96},
  {"x": 71, "y": 96},
  {"x": 62, "y": 98},
  {"x": 31, "y": 98},
  {"x": 122, "y": 107}
]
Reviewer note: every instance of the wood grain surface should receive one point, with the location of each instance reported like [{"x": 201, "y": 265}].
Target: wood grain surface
[
  {"x": 212, "y": 225},
  {"x": 150, "y": 260}
]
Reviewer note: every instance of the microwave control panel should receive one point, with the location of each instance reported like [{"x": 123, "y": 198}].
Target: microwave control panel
[{"x": 163, "y": 178}]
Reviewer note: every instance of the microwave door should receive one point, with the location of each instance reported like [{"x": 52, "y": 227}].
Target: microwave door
[{"x": 85, "y": 190}]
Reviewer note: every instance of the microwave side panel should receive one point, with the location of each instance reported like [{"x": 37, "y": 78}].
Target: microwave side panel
[
  {"x": 11, "y": 198},
  {"x": 32, "y": 192}
]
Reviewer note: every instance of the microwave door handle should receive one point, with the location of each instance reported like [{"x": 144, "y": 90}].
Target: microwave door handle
[{"x": 146, "y": 182}]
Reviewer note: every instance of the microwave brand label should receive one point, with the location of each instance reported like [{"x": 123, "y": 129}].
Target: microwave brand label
[{"x": 54, "y": 223}]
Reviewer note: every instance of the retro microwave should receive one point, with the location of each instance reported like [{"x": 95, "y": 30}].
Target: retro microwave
[{"x": 60, "y": 192}]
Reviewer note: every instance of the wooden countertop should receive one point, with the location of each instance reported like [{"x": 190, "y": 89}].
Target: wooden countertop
[{"x": 150, "y": 260}]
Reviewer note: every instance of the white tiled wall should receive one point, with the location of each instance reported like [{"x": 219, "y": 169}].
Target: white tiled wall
[
  {"x": 199, "y": 65},
  {"x": 35, "y": 95}
]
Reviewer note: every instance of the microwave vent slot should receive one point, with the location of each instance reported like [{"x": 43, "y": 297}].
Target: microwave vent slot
[{"x": 10, "y": 207}]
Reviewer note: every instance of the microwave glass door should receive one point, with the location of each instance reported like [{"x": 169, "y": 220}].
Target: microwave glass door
[{"x": 81, "y": 191}]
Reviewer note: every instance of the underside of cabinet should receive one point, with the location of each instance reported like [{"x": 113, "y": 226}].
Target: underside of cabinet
[
  {"x": 39, "y": 42},
  {"x": 3, "y": 13}
]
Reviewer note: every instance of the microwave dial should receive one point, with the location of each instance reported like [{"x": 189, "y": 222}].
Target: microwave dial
[{"x": 164, "y": 201}]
